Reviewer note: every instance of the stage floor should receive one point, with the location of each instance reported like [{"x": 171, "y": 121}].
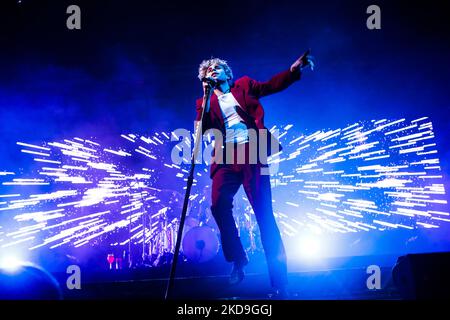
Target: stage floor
[{"x": 331, "y": 284}]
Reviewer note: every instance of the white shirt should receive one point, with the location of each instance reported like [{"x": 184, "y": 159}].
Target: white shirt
[{"x": 236, "y": 129}]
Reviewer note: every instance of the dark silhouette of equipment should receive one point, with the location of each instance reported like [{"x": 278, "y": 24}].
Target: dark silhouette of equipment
[{"x": 423, "y": 276}]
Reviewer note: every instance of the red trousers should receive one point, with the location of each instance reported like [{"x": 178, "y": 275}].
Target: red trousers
[{"x": 225, "y": 184}]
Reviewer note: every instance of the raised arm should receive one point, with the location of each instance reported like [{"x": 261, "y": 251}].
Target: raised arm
[
  {"x": 276, "y": 84},
  {"x": 283, "y": 79}
]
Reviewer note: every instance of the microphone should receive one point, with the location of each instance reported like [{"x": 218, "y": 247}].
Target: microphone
[{"x": 213, "y": 83}]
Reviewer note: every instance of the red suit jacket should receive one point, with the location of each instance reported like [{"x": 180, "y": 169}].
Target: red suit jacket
[{"x": 247, "y": 92}]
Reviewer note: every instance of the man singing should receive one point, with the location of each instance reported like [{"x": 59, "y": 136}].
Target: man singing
[{"x": 234, "y": 109}]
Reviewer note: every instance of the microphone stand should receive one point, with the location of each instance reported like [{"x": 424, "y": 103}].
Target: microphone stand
[{"x": 190, "y": 180}]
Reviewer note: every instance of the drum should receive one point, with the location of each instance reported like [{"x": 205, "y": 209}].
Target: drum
[{"x": 200, "y": 244}]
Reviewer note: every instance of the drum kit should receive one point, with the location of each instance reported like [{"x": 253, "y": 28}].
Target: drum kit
[{"x": 200, "y": 240}]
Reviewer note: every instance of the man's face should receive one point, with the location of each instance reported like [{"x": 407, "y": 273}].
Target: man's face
[{"x": 216, "y": 72}]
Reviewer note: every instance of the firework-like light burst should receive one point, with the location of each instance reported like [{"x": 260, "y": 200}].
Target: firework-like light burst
[
  {"x": 375, "y": 175},
  {"x": 378, "y": 175}
]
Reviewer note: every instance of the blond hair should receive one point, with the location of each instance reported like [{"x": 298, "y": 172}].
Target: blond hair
[{"x": 205, "y": 64}]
